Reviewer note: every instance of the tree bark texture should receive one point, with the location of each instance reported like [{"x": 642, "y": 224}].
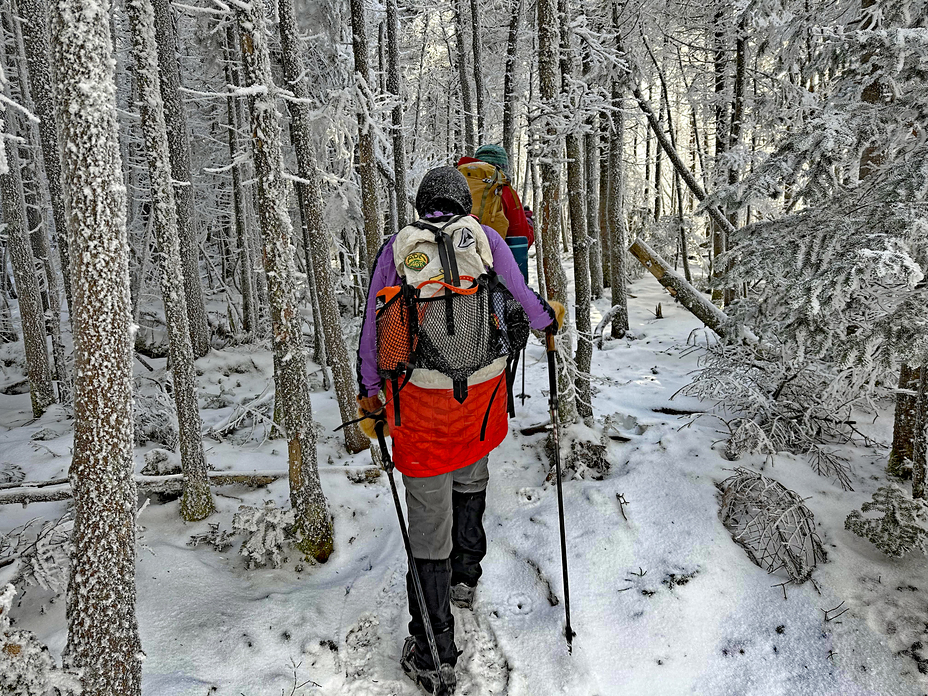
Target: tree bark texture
[
  {"x": 555, "y": 278},
  {"x": 618, "y": 236},
  {"x": 920, "y": 444},
  {"x": 24, "y": 272},
  {"x": 197, "y": 501},
  {"x": 34, "y": 14},
  {"x": 478, "y": 70},
  {"x": 367, "y": 169},
  {"x": 576, "y": 195},
  {"x": 103, "y": 638},
  {"x": 179, "y": 144},
  {"x": 395, "y": 87},
  {"x": 318, "y": 238},
  {"x": 509, "y": 80},
  {"x": 306, "y": 496},
  {"x": 467, "y": 106},
  {"x": 904, "y": 421},
  {"x": 242, "y": 236}
]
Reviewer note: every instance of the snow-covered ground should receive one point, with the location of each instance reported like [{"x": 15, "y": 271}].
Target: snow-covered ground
[{"x": 663, "y": 602}]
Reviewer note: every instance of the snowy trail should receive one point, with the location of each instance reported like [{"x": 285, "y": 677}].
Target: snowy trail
[{"x": 662, "y": 600}]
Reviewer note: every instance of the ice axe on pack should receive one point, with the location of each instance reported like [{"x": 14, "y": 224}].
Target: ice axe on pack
[
  {"x": 553, "y": 407},
  {"x": 444, "y": 685}
]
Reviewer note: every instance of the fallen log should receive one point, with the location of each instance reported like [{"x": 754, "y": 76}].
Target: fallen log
[
  {"x": 676, "y": 285},
  {"x": 60, "y": 489}
]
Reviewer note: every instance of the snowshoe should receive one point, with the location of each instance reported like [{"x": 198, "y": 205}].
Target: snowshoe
[
  {"x": 427, "y": 679},
  {"x": 462, "y": 595}
]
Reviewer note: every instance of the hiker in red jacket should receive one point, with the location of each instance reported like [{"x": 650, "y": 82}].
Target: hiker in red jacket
[
  {"x": 442, "y": 445},
  {"x": 495, "y": 202}
]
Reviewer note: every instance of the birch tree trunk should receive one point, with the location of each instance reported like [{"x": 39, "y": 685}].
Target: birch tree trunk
[
  {"x": 179, "y": 145},
  {"x": 576, "y": 195},
  {"x": 197, "y": 501},
  {"x": 34, "y": 14},
  {"x": 318, "y": 239},
  {"x": 395, "y": 87},
  {"x": 367, "y": 170},
  {"x": 103, "y": 637},
  {"x": 555, "y": 279},
  {"x": 306, "y": 496}
]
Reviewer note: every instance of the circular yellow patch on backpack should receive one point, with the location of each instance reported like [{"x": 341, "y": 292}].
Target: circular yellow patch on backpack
[{"x": 416, "y": 261}]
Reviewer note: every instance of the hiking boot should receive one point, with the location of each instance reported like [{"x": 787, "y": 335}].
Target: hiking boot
[
  {"x": 427, "y": 679},
  {"x": 462, "y": 595}
]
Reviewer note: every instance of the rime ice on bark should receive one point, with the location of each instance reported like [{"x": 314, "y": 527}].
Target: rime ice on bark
[
  {"x": 555, "y": 278},
  {"x": 306, "y": 496},
  {"x": 618, "y": 239},
  {"x": 103, "y": 637},
  {"x": 294, "y": 71},
  {"x": 34, "y": 14},
  {"x": 366, "y": 165},
  {"x": 197, "y": 501},
  {"x": 179, "y": 145},
  {"x": 24, "y": 271}
]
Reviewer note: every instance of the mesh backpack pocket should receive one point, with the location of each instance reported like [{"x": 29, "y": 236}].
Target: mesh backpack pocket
[{"x": 396, "y": 335}]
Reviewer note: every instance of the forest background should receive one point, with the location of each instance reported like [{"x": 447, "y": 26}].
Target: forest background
[{"x": 179, "y": 179}]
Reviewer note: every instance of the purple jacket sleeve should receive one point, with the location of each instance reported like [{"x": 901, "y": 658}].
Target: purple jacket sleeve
[
  {"x": 540, "y": 314},
  {"x": 384, "y": 275}
]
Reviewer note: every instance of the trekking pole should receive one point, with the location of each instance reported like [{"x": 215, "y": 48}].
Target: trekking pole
[
  {"x": 552, "y": 402},
  {"x": 379, "y": 423}
]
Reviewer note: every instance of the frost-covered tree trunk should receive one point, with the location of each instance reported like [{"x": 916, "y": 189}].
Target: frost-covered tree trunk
[
  {"x": 720, "y": 69},
  {"x": 196, "y": 502},
  {"x": 24, "y": 272},
  {"x": 318, "y": 239},
  {"x": 509, "y": 80},
  {"x": 103, "y": 638},
  {"x": 179, "y": 145},
  {"x": 467, "y": 106},
  {"x": 478, "y": 69},
  {"x": 555, "y": 278},
  {"x": 395, "y": 87},
  {"x": 920, "y": 444},
  {"x": 367, "y": 169},
  {"x": 243, "y": 238},
  {"x": 576, "y": 195},
  {"x": 618, "y": 238},
  {"x": 306, "y": 496},
  {"x": 591, "y": 179},
  {"x": 904, "y": 420},
  {"x": 605, "y": 186},
  {"x": 34, "y": 24}
]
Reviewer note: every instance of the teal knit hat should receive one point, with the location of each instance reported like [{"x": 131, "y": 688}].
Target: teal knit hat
[{"x": 493, "y": 154}]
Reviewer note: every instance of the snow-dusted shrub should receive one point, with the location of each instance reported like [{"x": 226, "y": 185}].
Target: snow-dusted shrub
[
  {"x": 160, "y": 462},
  {"x": 268, "y": 532},
  {"x": 154, "y": 419},
  {"x": 586, "y": 460},
  {"x": 781, "y": 406},
  {"x": 39, "y": 550},
  {"x": 219, "y": 539},
  {"x": 26, "y": 667},
  {"x": 771, "y": 523},
  {"x": 902, "y": 528}
]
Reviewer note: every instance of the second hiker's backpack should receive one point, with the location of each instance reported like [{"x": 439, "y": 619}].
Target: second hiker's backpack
[
  {"x": 487, "y": 182},
  {"x": 452, "y": 316}
]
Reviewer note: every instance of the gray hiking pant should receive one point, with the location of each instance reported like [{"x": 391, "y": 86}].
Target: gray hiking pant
[{"x": 429, "y": 506}]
